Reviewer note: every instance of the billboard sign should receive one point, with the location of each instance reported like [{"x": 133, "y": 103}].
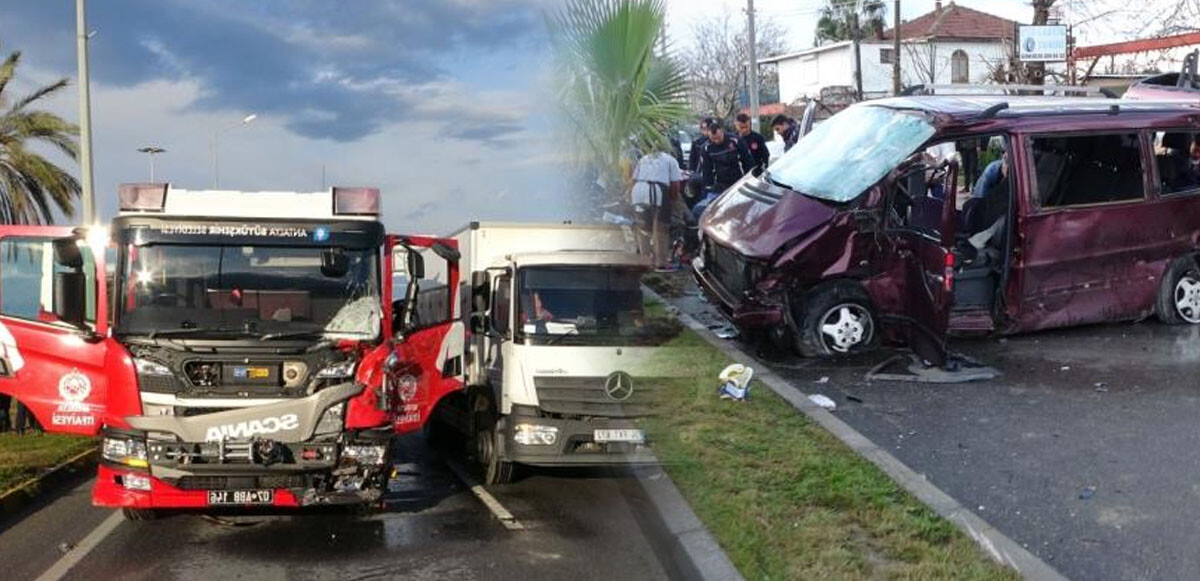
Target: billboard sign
[{"x": 1042, "y": 43}]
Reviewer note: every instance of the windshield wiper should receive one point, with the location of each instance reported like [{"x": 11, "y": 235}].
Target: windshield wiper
[
  {"x": 293, "y": 335},
  {"x": 766, "y": 176},
  {"x": 559, "y": 337},
  {"x": 197, "y": 330}
]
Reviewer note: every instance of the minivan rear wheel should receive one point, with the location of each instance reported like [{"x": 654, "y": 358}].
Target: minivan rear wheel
[
  {"x": 834, "y": 321},
  {"x": 1179, "y": 294}
]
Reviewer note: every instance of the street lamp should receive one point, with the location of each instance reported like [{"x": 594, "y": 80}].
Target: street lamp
[
  {"x": 216, "y": 143},
  {"x": 151, "y": 151}
]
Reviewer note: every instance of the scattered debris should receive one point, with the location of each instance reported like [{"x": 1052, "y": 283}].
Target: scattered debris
[
  {"x": 735, "y": 382},
  {"x": 726, "y": 333},
  {"x": 1087, "y": 492},
  {"x": 824, "y": 379},
  {"x": 854, "y": 398},
  {"x": 823, "y": 401},
  {"x": 1101, "y": 386},
  {"x": 909, "y": 367},
  {"x": 65, "y": 547},
  {"x": 1065, "y": 368}
]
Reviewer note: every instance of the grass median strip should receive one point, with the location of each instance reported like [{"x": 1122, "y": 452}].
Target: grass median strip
[
  {"x": 786, "y": 499},
  {"x": 24, "y": 456}
]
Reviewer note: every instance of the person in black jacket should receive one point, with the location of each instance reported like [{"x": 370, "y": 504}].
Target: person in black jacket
[
  {"x": 754, "y": 142},
  {"x": 725, "y": 159},
  {"x": 696, "y": 181},
  {"x": 788, "y": 129}
]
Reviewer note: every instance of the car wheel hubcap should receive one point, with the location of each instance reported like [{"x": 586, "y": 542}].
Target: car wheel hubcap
[
  {"x": 845, "y": 327},
  {"x": 1187, "y": 298}
]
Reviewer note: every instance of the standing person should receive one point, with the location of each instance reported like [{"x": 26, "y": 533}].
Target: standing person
[
  {"x": 787, "y": 128},
  {"x": 724, "y": 160},
  {"x": 695, "y": 181},
  {"x": 754, "y": 142},
  {"x": 26, "y": 419},
  {"x": 656, "y": 180}
]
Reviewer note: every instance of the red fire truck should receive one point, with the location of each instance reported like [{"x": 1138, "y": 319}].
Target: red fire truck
[{"x": 242, "y": 349}]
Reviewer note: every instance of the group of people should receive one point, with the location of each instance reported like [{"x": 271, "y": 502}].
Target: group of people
[
  {"x": 25, "y": 422},
  {"x": 666, "y": 198}
]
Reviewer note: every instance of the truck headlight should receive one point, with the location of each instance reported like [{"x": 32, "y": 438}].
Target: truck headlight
[
  {"x": 136, "y": 482},
  {"x": 340, "y": 370},
  {"x": 332, "y": 420},
  {"x": 148, "y": 367},
  {"x": 535, "y": 435},
  {"x": 125, "y": 451}
]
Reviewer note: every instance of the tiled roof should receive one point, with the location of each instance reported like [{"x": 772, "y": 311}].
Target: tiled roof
[{"x": 954, "y": 21}]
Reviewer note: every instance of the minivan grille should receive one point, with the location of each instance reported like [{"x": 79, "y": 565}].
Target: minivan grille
[
  {"x": 585, "y": 396},
  {"x": 727, "y": 267}
]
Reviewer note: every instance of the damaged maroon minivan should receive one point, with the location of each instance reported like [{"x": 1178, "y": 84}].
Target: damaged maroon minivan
[{"x": 1070, "y": 211}]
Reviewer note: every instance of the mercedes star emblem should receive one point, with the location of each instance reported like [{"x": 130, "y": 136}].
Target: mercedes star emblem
[{"x": 619, "y": 386}]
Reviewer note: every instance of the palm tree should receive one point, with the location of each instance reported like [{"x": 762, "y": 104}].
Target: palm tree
[
  {"x": 32, "y": 187},
  {"x": 834, "y": 25},
  {"x": 615, "y": 92}
]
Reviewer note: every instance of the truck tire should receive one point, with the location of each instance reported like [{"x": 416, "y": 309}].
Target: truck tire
[
  {"x": 1179, "y": 294},
  {"x": 492, "y": 469},
  {"x": 835, "y": 320},
  {"x": 140, "y": 514}
]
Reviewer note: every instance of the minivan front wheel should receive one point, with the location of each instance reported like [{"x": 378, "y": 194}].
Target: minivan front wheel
[
  {"x": 836, "y": 320},
  {"x": 1179, "y": 295}
]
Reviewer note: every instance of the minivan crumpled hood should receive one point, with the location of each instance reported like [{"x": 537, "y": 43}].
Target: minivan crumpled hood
[{"x": 748, "y": 218}]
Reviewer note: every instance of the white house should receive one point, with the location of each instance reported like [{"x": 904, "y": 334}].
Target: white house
[{"x": 951, "y": 44}]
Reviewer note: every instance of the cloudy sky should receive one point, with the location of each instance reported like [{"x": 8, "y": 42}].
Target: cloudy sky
[{"x": 440, "y": 103}]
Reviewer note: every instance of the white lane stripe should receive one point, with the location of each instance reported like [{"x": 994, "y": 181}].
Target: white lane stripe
[
  {"x": 75, "y": 555},
  {"x": 506, "y": 518}
]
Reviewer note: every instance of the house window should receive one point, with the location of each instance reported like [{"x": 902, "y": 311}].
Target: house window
[
  {"x": 887, "y": 56},
  {"x": 960, "y": 67}
]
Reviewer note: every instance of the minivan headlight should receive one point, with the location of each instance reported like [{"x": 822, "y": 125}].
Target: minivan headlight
[{"x": 125, "y": 451}]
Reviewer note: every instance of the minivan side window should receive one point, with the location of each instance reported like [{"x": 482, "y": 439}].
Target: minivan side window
[
  {"x": 1077, "y": 170},
  {"x": 1177, "y": 157}
]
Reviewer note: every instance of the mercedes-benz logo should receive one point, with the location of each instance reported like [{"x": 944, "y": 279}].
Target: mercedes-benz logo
[{"x": 619, "y": 386}]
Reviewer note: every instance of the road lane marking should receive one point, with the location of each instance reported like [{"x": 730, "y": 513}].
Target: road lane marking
[
  {"x": 74, "y": 556},
  {"x": 506, "y": 518}
]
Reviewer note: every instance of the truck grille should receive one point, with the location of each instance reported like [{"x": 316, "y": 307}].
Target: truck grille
[
  {"x": 585, "y": 396},
  {"x": 242, "y": 482}
]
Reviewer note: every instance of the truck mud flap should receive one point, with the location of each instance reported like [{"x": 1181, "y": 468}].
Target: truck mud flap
[{"x": 285, "y": 421}]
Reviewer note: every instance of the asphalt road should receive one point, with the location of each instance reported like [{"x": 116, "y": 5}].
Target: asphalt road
[
  {"x": 579, "y": 525},
  {"x": 1086, "y": 450}
]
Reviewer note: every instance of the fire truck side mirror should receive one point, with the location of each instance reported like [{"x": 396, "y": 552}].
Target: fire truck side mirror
[
  {"x": 479, "y": 323},
  {"x": 70, "y": 297},
  {"x": 480, "y": 292}
]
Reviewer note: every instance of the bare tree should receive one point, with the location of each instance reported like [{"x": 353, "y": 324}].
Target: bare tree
[{"x": 717, "y": 62}]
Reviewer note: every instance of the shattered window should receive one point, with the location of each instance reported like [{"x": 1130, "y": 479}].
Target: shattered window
[
  {"x": 1177, "y": 157},
  {"x": 848, "y": 153}
]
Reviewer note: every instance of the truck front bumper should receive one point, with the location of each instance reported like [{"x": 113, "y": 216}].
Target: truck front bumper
[{"x": 575, "y": 443}]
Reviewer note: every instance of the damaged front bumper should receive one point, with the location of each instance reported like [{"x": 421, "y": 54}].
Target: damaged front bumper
[
  {"x": 748, "y": 311},
  {"x": 285, "y": 454}
]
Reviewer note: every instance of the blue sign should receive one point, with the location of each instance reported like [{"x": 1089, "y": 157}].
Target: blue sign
[{"x": 320, "y": 234}]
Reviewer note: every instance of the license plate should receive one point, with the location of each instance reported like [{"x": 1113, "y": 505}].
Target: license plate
[
  {"x": 636, "y": 436},
  {"x": 240, "y": 497}
]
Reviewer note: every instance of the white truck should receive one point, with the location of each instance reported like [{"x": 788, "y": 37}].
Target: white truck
[{"x": 558, "y": 339}]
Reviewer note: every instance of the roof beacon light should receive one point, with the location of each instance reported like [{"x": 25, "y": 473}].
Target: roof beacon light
[
  {"x": 356, "y": 201},
  {"x": 142, "y": 197}
]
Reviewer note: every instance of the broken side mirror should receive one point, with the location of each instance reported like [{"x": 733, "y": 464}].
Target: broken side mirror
[
  {"x": 334, "y": 263},
  {"x": 481, "y": 291},
  {"x": 68, "y": 253}
]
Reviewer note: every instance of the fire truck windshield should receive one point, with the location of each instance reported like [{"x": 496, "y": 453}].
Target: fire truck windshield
[
  {"x": 240, "y": 291},
  {"x": 586, "y": 306}
]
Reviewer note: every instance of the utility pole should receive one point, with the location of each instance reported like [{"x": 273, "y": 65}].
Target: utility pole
[
  {"x": 753, "y": 73},
  {"x": 854, "y": 33},
  {"x": 85, "y": 115},
  {"x": 896, "y": 48}
]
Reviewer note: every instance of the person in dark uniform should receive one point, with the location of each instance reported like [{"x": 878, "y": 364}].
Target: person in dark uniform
[
  {"x": 5, "y": 420},
  {"x": 695, "y": 189},
  {"x": 788, "y": 129},
  {"x": 754, "y": 142},
  {"x": 724, "y": 160}
]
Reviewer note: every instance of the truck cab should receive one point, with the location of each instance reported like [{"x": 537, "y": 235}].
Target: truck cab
[
  {"x": 246, "y": 355},
  {"x": 555, "y": 360}
]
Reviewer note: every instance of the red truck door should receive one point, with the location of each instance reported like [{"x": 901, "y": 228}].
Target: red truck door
[
  {"x": 53, "y": 320},
  {"x": 427, "y": 324}
]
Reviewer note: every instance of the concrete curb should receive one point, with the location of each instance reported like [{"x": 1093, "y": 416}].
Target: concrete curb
[
  {"x": 993, "y": 542},
  {"x": 21, "y": 495},
  {"x": 693, "y": 549}
]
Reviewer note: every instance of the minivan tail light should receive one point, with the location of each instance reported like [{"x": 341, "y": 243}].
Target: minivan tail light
[{"x": 948, "y": 275}]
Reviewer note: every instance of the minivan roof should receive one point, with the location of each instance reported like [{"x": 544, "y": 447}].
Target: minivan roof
[{"x": 963, "y": 107}]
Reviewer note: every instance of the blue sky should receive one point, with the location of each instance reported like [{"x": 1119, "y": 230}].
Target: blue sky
[{"x": 441, "y": 103}]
